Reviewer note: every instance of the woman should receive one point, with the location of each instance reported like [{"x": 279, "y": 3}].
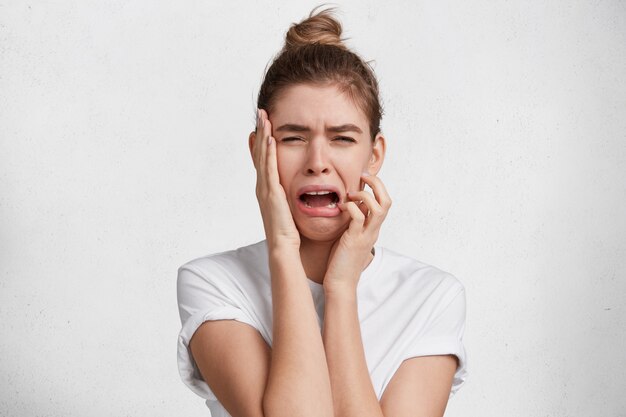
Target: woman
[{"x": 317, "y": 320}]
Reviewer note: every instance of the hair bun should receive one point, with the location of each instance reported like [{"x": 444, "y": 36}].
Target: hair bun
[{"x": 320, "y": 28}]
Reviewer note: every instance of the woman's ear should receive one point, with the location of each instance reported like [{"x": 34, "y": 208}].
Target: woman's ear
[{"x": 378, "y": 155}]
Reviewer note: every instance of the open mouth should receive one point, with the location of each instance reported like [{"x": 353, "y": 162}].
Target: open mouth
[{"x": 313, "y": 199}]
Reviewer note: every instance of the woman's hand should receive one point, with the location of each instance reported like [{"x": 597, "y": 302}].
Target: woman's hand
[
  {"x": 280, "y": 228},
  {"x": 351, "y": 252}
]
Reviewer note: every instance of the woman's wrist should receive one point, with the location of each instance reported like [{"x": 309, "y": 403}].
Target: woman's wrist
[
  {"x": 282, "y": 250},
  {"x": 340, "y": 288}
]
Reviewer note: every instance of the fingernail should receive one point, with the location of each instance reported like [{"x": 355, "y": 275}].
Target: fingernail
[
  {"x": 365, "y": 174},
  {"x": 269, "y": 140}
]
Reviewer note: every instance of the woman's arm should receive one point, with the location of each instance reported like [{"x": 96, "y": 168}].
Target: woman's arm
[
  {"x": 421, "y": 385},
  {"x": 234, "y": 361},
  {"x": 251, "y": 380},
  {"x": 352, "y": 390},
  {"x": 298, "y": 383},
  {"x": 353, "y": 393},
  {"x": 248, "y": 378},
  {"x": 419, "y": 388}
]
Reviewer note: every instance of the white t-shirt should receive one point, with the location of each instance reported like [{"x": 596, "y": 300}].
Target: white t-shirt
[{"x": 406, "y": 309}]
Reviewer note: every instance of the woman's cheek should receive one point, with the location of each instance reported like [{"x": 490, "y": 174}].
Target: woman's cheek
[{"x": 352, "y": 176}]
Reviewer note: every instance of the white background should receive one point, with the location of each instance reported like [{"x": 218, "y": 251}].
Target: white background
[{"x": 124, "y": 127}]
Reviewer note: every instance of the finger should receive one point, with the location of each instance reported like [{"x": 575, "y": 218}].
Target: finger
[
  {"x": 356, "y": 214},
  {"x": 258, "y": 142},
  {"x": 270, "y": 148},
  {"x": 262, "y": 140},
  {"x": 368, "y": 200},
  {"x": 255, "y": 146},
  {"x": 370, "y": 207},
  {"x": 361, "y": 205},
  {"x": 272, "y": 163},
  {"x": 380, "y": 192}
]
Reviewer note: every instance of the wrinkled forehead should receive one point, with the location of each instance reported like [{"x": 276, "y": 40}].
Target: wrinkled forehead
[{"x": 317, "y": 106}]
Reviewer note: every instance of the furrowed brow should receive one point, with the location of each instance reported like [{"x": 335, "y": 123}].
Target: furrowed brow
[
  {"x": 292, "y": 127},
  {"x": 345, "y": 128}
]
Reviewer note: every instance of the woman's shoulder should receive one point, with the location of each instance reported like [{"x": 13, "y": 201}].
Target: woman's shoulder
[
  {"x": 234, "y": 262},
  {"x": 404, "y": 286},
  {"x": 409, "y": 270}
]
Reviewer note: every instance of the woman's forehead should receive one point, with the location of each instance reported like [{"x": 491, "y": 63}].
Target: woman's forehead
[{"x": 314, "y": 105}]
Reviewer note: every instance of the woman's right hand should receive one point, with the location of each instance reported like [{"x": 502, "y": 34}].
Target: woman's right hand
[{"x": 280, "y": 229}]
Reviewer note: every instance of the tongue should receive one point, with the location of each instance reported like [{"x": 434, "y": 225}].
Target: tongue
[{"x": 318, "y": 200}]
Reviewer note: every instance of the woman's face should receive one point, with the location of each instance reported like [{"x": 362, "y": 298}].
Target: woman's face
[{"x": 323, "y": 146}]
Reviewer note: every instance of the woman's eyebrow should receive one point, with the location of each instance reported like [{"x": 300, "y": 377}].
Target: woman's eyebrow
[{"x": 292, "y": 127}]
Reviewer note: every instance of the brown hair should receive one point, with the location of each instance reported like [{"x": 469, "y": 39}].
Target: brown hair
[{"x": 314, "y": 53}]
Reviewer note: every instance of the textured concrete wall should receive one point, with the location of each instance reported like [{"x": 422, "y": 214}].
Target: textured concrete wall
[{"x": 123, "y": 154}]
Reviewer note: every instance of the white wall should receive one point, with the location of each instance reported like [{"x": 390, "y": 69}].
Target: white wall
[{"x": 123, "y": 154}]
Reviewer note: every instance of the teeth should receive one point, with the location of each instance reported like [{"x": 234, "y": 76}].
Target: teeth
[
  {"x": 318, "y": 192},
  {"x": 331, "y": 205}
]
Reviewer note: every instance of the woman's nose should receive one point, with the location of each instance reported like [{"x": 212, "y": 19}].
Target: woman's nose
[{"x": 317, "y": 161}]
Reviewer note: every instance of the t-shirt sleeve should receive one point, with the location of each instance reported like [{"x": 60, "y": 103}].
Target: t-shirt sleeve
[
  {"x": 444, "y": 335},
  {"x": 203, "y": 294}
]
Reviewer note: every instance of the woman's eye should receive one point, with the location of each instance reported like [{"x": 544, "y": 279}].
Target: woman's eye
[
  {"x": 344, "y": 139},
  {"x": 291, "y": 139}
]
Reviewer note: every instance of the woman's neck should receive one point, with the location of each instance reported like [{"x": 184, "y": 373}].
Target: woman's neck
[{"x": 314, "y": 256}]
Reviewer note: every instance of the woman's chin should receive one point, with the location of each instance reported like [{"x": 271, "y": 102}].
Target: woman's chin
[{"x": 322, "y": 229}]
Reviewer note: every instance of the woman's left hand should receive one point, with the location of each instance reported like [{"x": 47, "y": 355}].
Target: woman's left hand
[{"x": 351, "y": 252}]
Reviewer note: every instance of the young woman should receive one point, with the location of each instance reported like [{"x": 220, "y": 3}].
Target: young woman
[{"x": 317, "y": 320}]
